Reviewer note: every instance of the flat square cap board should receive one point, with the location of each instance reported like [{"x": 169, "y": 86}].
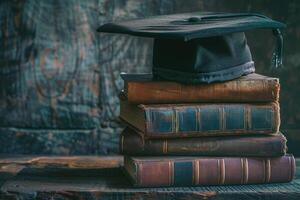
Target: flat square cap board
[{"x": 200, "y": 47}]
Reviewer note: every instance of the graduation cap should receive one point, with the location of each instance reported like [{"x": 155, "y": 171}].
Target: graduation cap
[{"x": 201, "y": 47}]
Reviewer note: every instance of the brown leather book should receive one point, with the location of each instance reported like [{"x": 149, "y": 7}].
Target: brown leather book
[
  {"x": 141, "y": 89},
  {"x": 188, "y": 171},
  {"x": 132, "y": 143},
  {"x": 196, "y": 120}
]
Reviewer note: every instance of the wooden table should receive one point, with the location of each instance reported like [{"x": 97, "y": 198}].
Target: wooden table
[{"x": 93, "y": 178}]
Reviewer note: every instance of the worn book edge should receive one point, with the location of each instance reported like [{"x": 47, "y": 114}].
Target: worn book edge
[
  {"x": 165, "y": 142},
  {"x": 140, "y": 161},
  {"x": 138, "y": 116},
  {"x": 268, "y": 90}
]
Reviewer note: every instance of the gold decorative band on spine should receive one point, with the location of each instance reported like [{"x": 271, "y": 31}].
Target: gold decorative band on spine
[
  {"x": 219, "y": 174},
  {"x": 223, "y": 119},
  {"x": 246, "y": 171},
  {"x": 245, "y": 174},
  {"x": 291, "y": 164},
  {"x": 165, "y": 146},
  {"x": 196, "y": 172},
  {"x": 198, "y": 117},
  {"x": 171, "y": 173},
  {"x": 245, "y": 117},
  {"x": 248, "y": 116},
  {"x": 175, "y": 121},
  {"x": 268, "y": 170},
  {"x": 221, "y": 165},
  {"x": 242, "y": 166}
]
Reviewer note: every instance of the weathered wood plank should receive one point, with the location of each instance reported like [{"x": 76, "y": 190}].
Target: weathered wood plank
[
  {"x": 111, "y": 183},
  {"x": 54, "y": 181},
  {"x": 62, "y": 161},
  {"x": 11, "y": 166},
  {"x": 58, "y": 77}
]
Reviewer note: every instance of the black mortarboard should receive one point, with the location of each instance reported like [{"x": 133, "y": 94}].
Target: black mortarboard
[{"x": 200, "y": 47}]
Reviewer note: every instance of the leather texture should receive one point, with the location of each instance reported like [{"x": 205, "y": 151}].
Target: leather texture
[
  {"x": 142, "y": 89},
  {"x": 132, "y": 143},
  {"x": 202, "y": 119},
  {"x": 187, "y": 171}
]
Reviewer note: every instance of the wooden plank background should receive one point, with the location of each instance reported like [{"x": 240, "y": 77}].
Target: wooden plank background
[{"x": 59, "y": 79}]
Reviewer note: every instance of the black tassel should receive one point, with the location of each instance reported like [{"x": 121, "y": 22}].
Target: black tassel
[{"x": 278, "y": 51}]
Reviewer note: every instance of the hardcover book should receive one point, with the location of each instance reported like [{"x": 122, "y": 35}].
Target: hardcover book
[
  {"x": 132, "y": 143},
  {"x": 194, "y": 120},
  {"x": 189, "y": 171},
  {"x": 142, "y": 89}
]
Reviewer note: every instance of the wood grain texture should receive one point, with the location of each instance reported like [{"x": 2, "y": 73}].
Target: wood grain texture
[
  {"x": 59, "y": 76},
  {"x": 62, "y": 161},
  {"x": 110, "y": 183}
]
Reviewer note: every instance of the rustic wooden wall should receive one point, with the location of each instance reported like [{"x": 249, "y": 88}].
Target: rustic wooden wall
[{"x": 59, "y": 79}]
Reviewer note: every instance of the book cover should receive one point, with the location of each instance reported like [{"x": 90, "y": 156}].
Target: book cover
[
  {"x": 142, "y": 89},
  {"x": 194, "y": 120},
  {"x": 189, "y": 171},
  {"x": 132, "y": 143}
]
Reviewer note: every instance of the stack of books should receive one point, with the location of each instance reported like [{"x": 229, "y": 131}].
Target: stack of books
[{"x": 203, "y": 134}]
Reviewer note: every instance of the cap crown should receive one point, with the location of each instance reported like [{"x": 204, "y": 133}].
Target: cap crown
[{"x": 200, "y": 47}]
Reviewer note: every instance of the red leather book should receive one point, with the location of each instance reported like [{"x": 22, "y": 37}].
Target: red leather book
[
  {"x": 202, "y": 119},
  {"x": 188, "y": 171},
  {"x": 141, "y": 89},
  {"x": 132, "y": 143}
]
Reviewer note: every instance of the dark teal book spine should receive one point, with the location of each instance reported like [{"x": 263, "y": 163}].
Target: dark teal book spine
[
  {"x": 183, "y": 173},
  {"x": 212, "y": 119}
]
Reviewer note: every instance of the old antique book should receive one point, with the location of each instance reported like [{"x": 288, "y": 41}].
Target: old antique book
[
  {"x": 187, "y": 171},
  {"x": 193, "y": 120},
  {"x": 141, "y": 89},
  {"x": 132, "y": 143}
]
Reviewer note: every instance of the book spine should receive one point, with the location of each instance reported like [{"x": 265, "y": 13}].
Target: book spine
[
  {"x": 264, "y": 90},
  {"x": 214, "y": 171},
  {"x": 133, "y": 144},
  {"x": 211, "y": 119}
]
